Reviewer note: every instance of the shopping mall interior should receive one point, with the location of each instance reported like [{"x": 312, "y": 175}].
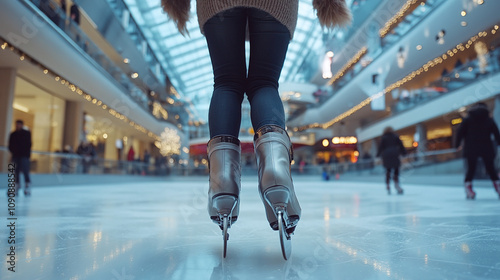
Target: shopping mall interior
[{"x": 117, "y": 101}]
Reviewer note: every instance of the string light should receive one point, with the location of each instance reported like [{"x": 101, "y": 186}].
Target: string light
[
  {"x": 424, "y": 68},
  {"x": 75, "y": 89},
  {"x": 348, "y": 65},
  {"x": 407, "y": 8}
]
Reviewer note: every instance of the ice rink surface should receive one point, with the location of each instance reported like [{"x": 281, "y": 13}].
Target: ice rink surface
[{"x": 161, "y": 230}]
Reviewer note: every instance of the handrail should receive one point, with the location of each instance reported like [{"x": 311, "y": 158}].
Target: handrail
[
  {"x": 85, "y": 44},
  {"x": 71, "y": 163}
]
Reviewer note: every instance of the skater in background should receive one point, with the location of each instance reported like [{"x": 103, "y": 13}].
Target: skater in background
[
  {"x": 20, "y": 148},
  {"x": 269, "y": 26},
  {"x": 87, "y": 153},
  {"x": 390, "y": 149},
  {"x": 476, "y": 131}
]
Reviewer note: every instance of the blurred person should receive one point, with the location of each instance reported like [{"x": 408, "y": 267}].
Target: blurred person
[
  {"x": 74, "y": 13},
  {"x": 269, "y": 26},
  {"x": 65, "y": 160},
  {"x": 131, "y": 154},
  {"x": 64, "y": 6},
  {"x": 475, "y": 131},
  {"x": 146, "y": 158},
  {"x": 390, "y": 149},
  {"x": 130, "y": 159},
  {"x": 51, "y": 11},
  {"x": 87, "y": 152},
  {"x": 20, "y": 148}
]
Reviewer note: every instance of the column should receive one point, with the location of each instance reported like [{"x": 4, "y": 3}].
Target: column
[
  {"x": 373, "y": 148},
  {"x": 421, "y": 138},
  {"x": 8, "y": 82},
  {"x": 73, "y": 124}
]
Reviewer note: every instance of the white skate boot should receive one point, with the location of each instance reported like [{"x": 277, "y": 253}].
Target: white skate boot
[
  {"x": 224, "y": 154},
  {"x": 273, "y": 151}
]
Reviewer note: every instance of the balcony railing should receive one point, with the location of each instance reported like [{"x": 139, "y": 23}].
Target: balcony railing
[
  {"x": 73, "y": 32},
  {"x": 61, "y": 163},
  {"x": 461, "y": 76},
  {"x": 375, "y": 50}
]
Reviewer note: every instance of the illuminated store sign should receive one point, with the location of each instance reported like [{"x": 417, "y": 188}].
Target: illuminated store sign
[{"x": 345, "y": 140}]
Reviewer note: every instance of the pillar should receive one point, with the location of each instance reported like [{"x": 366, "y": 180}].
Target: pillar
[
  {"x": 373, "y": 148},
  {"x": 73, "y": 124},
  {"x": 421, "y": 134},
  {"x": 8, "y": 82}
]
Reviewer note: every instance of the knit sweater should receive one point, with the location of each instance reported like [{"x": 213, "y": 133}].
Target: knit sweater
[
  {"x": 285, "y": 11},
  {"x": 331, "y": 13}
]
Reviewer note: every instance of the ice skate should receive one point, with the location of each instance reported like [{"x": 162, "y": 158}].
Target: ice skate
[
  {"x": 277, "y": 198},
  {"x": 224, "y": 155},
  {"x": 496, "y": 185},
  {"x": 274, "y": 155},
  {"x": 27, "y": 190},
  {"x": 470, "y": 194},
  {"x": 398, "y": 188},
  {"x": 388, "y": 188}
]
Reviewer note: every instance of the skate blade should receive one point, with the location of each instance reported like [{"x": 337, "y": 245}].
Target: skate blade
[
  {"x": 285, "y": 239},
  {"x": 225, "y": 235}
]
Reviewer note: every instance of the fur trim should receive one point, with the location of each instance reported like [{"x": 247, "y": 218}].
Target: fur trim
[
  {"x": 332, "y": 13},
  {"x": 178, "y": 11}
]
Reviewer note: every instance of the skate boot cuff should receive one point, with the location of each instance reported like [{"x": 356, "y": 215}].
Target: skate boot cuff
[
  {"x": 268, "y": 128},
  {"x": 224, "y": 139},
  {"x": 277, "y": 129}
]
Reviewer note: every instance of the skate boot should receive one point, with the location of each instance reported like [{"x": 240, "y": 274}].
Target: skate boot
[
  {"x": 27, "y": 189},
  {"x": 388, "y": 188},
  {"x": 496, "y": 184},
  {"x": 398, "y": 187},
  {"x": 224, "y": 155},
  {"x": 470, "y": 194},
  {"x": 273, "y": 151}
]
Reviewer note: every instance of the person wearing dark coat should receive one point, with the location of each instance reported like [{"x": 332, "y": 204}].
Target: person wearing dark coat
[
  {"x": 390, "y": 149},
  {"x": 74, "y": 13},
  {"x": 475, "y": 131},
  {"x": 20, "y": 148}
]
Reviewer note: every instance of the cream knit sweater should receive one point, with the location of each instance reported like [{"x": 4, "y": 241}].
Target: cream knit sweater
[
  {"x": 285, "y": 11},
  {"x": 331, "y": 13}
]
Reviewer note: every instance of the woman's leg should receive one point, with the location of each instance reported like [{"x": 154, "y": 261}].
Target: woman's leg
[
  {"x": 489, "y": 165},
  {"x": 225, "y": 35},
  {"x": 396, "y": 175},
  {"x": 268, "y": 46},
  {"x": 471, "y": 168},
  {"x": 388, "y": 176}
]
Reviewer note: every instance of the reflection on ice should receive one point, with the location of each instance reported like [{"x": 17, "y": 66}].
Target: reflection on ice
[{"x": 348, "y": 231}]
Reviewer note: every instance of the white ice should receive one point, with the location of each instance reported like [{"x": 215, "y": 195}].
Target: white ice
[{"x": 161, "y": 230}]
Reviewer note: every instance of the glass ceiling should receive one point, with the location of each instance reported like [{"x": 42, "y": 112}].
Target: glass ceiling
[{"x": 187, "y": 61}]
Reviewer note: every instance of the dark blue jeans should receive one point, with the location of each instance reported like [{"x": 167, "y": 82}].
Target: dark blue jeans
[
  {"x": 225, "y": 34},
  {"x": 22, "y": 165}
]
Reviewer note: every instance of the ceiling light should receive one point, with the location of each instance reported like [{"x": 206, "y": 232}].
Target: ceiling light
[
  {"x": 463, "y": 13},
  {"x": 419, "y": 47},
  {"x": 463, "y": 23}
]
